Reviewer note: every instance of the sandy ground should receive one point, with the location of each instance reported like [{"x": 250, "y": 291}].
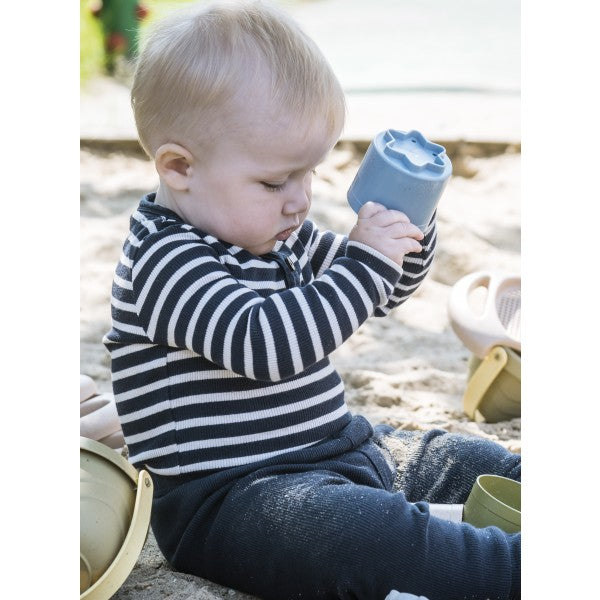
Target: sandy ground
[{"x": 407, "y": 370}]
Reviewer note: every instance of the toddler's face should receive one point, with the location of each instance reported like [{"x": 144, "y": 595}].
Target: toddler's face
[{"x": 254, "y": 188}]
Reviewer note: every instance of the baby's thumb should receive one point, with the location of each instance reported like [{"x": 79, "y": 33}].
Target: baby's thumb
[{"x": 369, "y": 209}]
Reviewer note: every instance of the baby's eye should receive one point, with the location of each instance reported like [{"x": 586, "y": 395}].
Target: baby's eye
[{"x": 273, "y": 187}]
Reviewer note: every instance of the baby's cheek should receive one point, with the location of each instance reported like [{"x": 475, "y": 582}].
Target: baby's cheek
[{"x": 308, "y": 185}]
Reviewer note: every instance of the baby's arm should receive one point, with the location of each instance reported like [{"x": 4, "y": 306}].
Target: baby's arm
[
  {"x": 414, "y": 269},
  {"x": 373, "y": 229},
  {"x": 184, "y": 297}
]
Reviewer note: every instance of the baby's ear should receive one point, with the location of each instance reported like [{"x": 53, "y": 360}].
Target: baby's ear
[{"x": 173, "y": 163}]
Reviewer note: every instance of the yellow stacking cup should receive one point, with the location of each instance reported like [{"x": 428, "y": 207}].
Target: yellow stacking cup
[
  {"x": 493, "y": 391},
  {"x": 494, "y": 500},
  {"x": 115, "y": 504}
]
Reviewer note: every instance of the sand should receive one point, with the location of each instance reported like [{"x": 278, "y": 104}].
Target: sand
[{"x": 407, "y": 370}]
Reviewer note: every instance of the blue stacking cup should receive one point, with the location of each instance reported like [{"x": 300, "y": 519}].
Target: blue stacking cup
[{"x": 402, "y": 171}]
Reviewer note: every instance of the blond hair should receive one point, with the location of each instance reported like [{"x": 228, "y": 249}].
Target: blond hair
[{"x": 193, "y": 62}]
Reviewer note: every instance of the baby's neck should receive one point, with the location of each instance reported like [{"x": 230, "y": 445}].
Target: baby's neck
[{"x": 163, "y": 198}]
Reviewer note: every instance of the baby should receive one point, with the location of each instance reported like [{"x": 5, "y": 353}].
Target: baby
[{"x": 226, "y": 304}]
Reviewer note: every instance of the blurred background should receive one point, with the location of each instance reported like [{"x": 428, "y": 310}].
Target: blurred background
[{"x": 450, "y": 68}]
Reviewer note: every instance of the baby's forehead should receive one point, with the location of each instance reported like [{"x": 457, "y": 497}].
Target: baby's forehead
[
  {"x": 279, "y": 147},
  {"x": 280, "y": 126},
  {"x": 257, "y": 107}
]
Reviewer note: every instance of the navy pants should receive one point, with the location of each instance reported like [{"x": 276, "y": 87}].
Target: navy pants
[{"x": 341, "y": 520}]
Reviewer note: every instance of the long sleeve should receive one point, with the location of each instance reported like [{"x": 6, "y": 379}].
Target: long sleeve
[
  {"x": 324, "y": 247},
  {"x": 219, "y": 357},
  {"x": 414, "y": 269},
  {"x": 185, "y": 297}
]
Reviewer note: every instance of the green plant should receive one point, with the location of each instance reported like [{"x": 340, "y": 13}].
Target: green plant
[{"x": 91, "y": 50}]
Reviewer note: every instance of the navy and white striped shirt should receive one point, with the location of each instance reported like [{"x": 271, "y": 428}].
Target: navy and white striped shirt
[{"x": 219, "y": 357}]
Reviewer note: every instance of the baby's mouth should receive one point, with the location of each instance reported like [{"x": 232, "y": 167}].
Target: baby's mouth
[{"x": 285, "y": 234}]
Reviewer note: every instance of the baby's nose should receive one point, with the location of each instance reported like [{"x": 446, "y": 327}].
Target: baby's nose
[{"x": 298, "y": 201}]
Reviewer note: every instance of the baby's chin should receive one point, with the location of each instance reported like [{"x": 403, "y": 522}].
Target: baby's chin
[{"x": 262, "y": 248}]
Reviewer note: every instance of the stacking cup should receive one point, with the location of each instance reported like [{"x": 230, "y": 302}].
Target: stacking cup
[
  {"x": 402, "y": 171},
  {"x": 494, "y": 500}
]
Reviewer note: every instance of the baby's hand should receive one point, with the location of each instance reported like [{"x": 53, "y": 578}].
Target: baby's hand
[{"x": 388, "y": 231}]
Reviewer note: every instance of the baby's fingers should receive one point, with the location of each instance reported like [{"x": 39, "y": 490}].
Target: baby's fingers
[
  {"x": 370, "y": 209},
  {"x": 401, "y": 230},
  {"x": 409, "y": 245},
  {"x": 389, "y": 217}
]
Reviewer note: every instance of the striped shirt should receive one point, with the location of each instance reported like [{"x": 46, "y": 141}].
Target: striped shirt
[{"x": 219, "y": 357}]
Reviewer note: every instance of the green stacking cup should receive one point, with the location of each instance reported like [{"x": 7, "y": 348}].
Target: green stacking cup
[{"x": 494, "y": 500}]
